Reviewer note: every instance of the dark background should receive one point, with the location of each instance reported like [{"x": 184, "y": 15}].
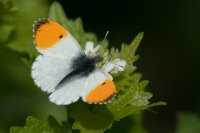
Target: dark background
[{"x": 169, "y": 58}]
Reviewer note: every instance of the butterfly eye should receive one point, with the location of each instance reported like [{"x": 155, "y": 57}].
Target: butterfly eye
[{"x": 60, "y": 36}]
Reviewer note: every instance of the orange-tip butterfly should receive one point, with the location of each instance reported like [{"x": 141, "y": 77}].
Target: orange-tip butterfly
[{"x": 65, "y": 71}]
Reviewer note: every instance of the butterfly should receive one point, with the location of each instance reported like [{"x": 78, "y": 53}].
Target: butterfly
[{"x": 64, "y": 70}]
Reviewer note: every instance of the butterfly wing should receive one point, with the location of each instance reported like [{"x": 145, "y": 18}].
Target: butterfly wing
[
  {"x": 69, "y": 92},
  {"x": 53, "y": 40},
  {"x": 57, "y": 48},
  {"x": 99, "y": 88},
  {"x": 47, "y": 72},
  {"x": 96, "y": 88}
]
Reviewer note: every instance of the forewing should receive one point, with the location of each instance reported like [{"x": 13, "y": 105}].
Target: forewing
[
  {"x": 53, "y": 40},
  {"x": 99, "y": 88},
  {"x": 47, "y": 72}
]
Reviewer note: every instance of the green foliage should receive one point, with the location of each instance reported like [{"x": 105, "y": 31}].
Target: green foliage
[
  {"x": 132, "y": 97},
  {"x": 188, "y": 123},
  {"x": 34, "y": 125},
  {"x": 8, "y": 11},
  {"x": 16, "y": 20}
]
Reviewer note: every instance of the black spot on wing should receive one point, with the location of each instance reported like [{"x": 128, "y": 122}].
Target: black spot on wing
[
  {"x": 61, "y": 36},
  {"x": 103, "y": 83}
]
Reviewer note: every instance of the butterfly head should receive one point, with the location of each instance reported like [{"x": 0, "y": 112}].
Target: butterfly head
[{"x": 98, "y": 58}]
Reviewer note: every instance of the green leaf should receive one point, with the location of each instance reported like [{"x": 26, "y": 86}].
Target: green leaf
[
  {"x": 128, "y": 50},
  {"x": 34, "y": 125},
  {"x": 8, "y": 10},
  {"x": 91, "y": 119},
  {"x": 141, "y": 98},
  {"x": 188, "y": 123},
  {"x": 57, "y": 14},
  {"x": 156, "y": 104},
  {"x": 16, "y": 27}
]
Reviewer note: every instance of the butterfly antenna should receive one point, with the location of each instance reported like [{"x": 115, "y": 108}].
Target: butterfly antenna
[{"x": 107, "y": 32}]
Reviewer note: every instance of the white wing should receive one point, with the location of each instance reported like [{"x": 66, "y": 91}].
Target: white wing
[
  {"x": 69, "y": 92},
  {"x": 48, "y": 71},
  {"x": 53, "y": 40},
  {"x": 66, "y": 48}
]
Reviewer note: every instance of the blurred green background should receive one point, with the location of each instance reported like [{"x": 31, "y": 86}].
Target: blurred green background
[{"x": 169, "y": 55}]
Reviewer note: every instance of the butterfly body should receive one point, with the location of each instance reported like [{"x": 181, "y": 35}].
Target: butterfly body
[
  {"x": 64, "y": 70},
  {"x": 81, "y": 66}
]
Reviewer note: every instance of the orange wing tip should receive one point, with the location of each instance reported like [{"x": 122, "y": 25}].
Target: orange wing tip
[
  {"x": 36, "y": 25},
  {"x": 39, "y": 22},
  {"x": 102, "y": 93},
  {"x": 106, "y": 101},
  {"x": 47, "y": 33}
]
